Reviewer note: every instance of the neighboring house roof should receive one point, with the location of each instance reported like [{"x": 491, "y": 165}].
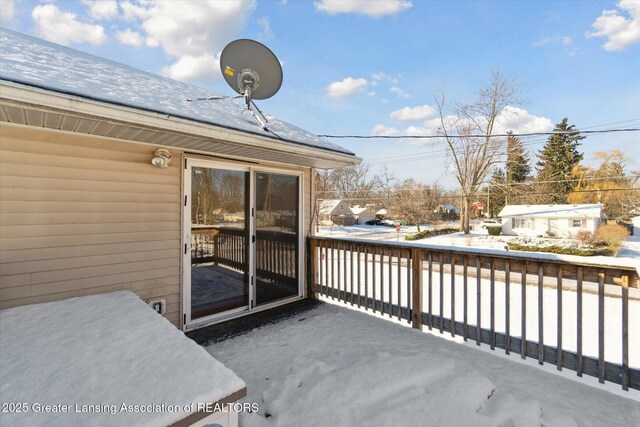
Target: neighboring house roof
[
  {"x": 327, "y": 206},
  {"x": 48, "y": 67},
  {"x": 551, "y": 211},
  {"x": 357, "y": 210},
  {"x": 382, "y": 211}
]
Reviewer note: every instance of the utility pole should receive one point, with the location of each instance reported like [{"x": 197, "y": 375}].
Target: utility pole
[{"x": 488, "y": 198}]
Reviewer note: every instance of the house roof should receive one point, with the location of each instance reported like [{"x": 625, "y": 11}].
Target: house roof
[
  {"x": 327, "y": 206},
  {"x": 553, "y": 211},
  {"x": 357, "y": 210},
  {"x": 51, "y": 68}
]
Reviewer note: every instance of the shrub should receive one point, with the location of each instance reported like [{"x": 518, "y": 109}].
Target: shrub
[
  {"x": 584, "y": 236},
  {"x": 555, "y": 249},
  {"x": 613, "y": 235},
  {"x": 430, "y": 233},
  {"x": 494, "y": 230}
]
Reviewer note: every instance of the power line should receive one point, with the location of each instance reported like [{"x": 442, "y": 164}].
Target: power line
[
  {"x": 501, "y": 135},
  {"x": 504, "y": 184},
  {"x": 454, "y": 196}
]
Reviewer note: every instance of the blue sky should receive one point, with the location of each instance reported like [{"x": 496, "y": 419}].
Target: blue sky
[{"x": 368, "y": 68}]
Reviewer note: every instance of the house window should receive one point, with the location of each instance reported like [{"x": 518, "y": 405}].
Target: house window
[
  {"x": 522, "y": 223},
  {"x": 576, "y": 223}
]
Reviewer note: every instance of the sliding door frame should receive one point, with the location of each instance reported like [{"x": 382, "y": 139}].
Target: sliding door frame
[{"x": 189, "y": 162}]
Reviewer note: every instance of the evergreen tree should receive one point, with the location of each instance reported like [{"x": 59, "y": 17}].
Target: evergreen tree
[
  {"x": 517, "y": 166},
  {"x": 556, "y": 162},
  {"x": 497, "y": 192}
]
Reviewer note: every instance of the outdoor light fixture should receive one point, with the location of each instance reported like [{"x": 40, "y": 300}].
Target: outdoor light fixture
[{"x": 161, "y": 158}]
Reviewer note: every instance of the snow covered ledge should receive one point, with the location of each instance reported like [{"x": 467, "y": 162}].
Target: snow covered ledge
[{"x": 107, "y": 360}]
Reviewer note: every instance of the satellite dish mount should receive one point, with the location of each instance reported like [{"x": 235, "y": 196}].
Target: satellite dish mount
[{"x": 252, "y": 70}]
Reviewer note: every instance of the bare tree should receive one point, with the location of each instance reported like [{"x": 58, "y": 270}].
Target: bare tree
[
  {"x": 468, "y": 132},
  {"x": 416, "y": 203}
]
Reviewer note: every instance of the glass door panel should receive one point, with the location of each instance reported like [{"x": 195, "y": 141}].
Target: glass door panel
[
  {"x": 219, "y": 240},
  {"x": 277, "y": 222}
]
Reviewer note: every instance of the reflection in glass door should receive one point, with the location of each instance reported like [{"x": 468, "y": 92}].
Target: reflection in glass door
[
  {"x": 277, "y": 222},
  {"x": 219, "y": 240}
]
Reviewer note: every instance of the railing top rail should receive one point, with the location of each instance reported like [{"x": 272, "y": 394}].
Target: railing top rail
[{"x": 627, "y": 264}]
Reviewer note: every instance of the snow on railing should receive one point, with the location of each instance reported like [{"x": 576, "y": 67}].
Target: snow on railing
[{"x": 556, "y": 309}]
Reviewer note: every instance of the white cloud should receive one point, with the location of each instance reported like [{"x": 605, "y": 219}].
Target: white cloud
[
  {"x": 192, "y": 32},
  {"x": 267, "y": 32},
  {"x": 189, "y": 67},
  {"x": 620, "y": 31},
  {"x": 346, "y": 87},
  {"x": 374, "y": 9},
  {"x": 566, "y": 42},
  {"x": 519, "y": 120},
  {"x": 131, "y": 12},
  {"x": 400, "y": 92},
  {"x": 512, "y": 119},
  {"x": 102, "y": 9},
  {"x": 130, "y": 37},
  {"x": 62, "y": 27},
  {"x": 382, "y": 130},
  {"x": 380, "y": 76},
  {"x": 420, "y": 112},
  {"x": 7, "y": 11}
]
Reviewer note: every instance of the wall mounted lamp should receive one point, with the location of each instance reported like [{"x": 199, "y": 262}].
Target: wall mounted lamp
[{"x": 161, "y": 158}]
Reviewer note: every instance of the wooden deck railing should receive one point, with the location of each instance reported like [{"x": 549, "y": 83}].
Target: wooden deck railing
[
  {"x": 276, "y": 251},
  {"x": 539, "y": 306}
]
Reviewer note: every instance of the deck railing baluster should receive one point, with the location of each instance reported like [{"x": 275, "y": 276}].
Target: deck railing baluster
[
  {"x": 540, "y": 313},
  {"x": 441, "y": 307},
  {"x": 507, "y": 307},
  {"x": 579, "y": 366},
  {"x": 453, "y": 294},
  {"x": 465, "y": 266},
  {"x": 559, "y": 324},
  {"x": 478, "y": 301}
]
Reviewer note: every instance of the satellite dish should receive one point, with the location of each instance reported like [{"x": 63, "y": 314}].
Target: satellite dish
[{"x": 251, "y": 69}]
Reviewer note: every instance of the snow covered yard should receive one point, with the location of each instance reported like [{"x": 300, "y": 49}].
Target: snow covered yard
[
  {"x": 339, "y": 367},
  {"x": 477, "y": 238}
]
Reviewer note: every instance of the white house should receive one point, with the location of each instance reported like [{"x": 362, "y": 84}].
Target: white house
[
  {"x": 636, "y": 225},
  {"x": 334, "y": 212},
  {"x": 550, "y": 220},
  {"x": 362, "y": 214}
]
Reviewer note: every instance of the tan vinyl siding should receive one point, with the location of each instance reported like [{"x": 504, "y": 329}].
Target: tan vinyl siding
[{"x": 81, "y": 215}]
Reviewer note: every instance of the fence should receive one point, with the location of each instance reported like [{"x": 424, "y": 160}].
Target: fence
[{"x": 538, "y": 306}]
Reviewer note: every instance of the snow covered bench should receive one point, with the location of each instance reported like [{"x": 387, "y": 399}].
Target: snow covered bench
[{"x": 107, "y": 360}]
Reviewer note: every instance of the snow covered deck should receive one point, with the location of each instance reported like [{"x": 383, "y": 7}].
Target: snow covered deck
[
  {"x": 333, "y": 366},
  {"x": 105, "y": 360}
]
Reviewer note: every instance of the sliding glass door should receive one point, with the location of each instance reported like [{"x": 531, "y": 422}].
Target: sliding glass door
[
  {"x": 219, "y": 240},
  {"x": 277, "y": 236},
  {"x": 242, "y": 240}
]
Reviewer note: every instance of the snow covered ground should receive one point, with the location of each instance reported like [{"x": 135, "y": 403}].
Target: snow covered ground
[{"x": 337, "y": 367}]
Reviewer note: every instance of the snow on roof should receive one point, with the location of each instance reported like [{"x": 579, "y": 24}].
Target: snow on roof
[
  {"x": 558, "y": 211},
  {"x": 357, "y": 210},
  {"x": 105, "y": 349},
  {"x": 326, "y": 206},
  {"x": 382, "y": 211},
  {"x": 41, "y": 64}
]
